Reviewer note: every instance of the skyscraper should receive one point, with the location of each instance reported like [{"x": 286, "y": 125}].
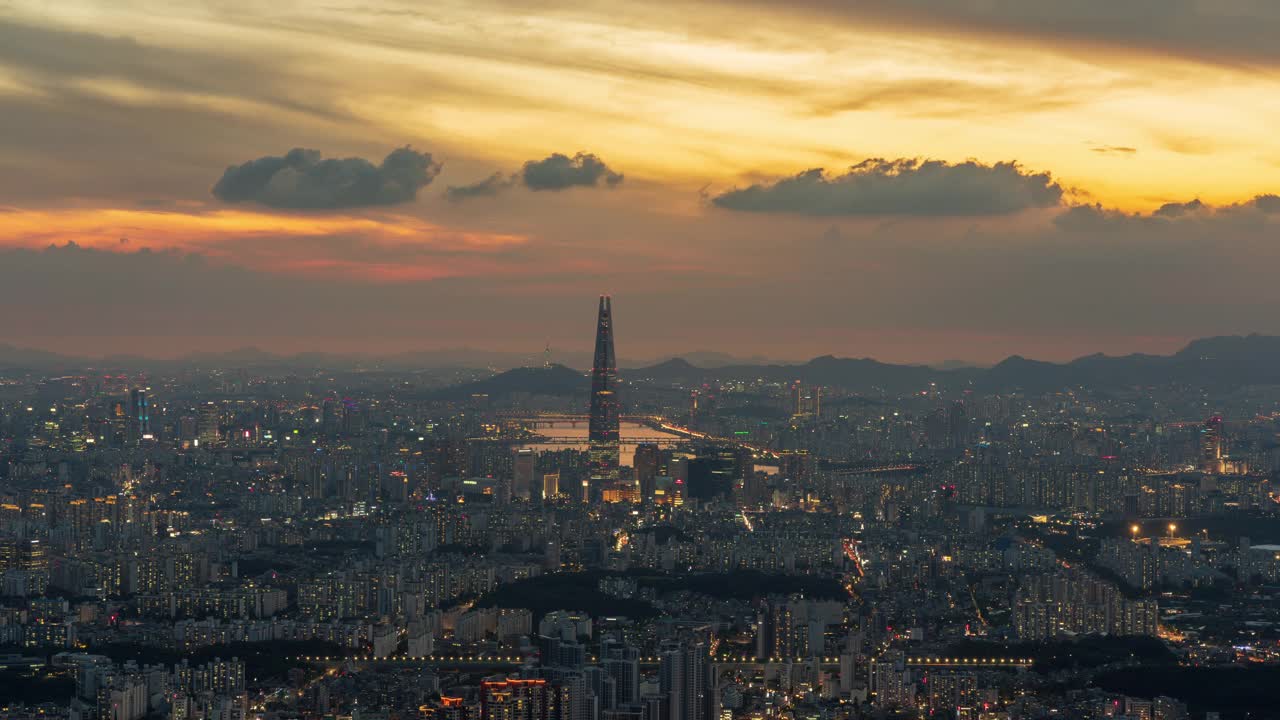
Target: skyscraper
[
  {"x": 140, "y": 413},
  {"x": 522, "y": 485},
  {"x": 647, "y": 458},
  {"x": 210, "y": 424},
  {"x": 1211, "y": 445},
  {"x": 622, "y": 662},
  {"x": 686, "y": 679},
  {"x": 957, "y": 426},
  {"x": 603, "y": 425}
]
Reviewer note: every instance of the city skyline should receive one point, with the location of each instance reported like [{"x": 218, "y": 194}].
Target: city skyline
[
  {"x": 773, "y": 547},
  {"x": 942, "y": 381},
  {"x": 914, "y": 182}
]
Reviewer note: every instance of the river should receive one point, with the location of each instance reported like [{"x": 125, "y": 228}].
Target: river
[{"x": 577, "y": 430}]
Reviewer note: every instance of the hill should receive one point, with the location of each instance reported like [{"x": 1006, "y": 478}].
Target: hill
[
  {"x": 1220, "y": 362},
  {"x": 556, "y": 380}
]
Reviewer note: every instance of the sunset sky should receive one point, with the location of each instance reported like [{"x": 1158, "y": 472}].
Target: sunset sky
[{"x": 910, "y": 180}]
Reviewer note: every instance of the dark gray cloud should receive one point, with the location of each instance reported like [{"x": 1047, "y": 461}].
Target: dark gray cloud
[
  {"x": 1098, "y": 219},
  {"x": 302, "y": 180},
  {"x": 1095, "y": 218},
  {"x": 56, "y": 61},
  {"x": 561, "y": 172},
  {"x": 556, "y": 171},
  {"x": 1267, "y": 203},
  {"x": 94, "y": 135},
  {"x": 1222, "y": 30},
  {"x": 67, "y": 117},
  {"x": 901, "y": 187},
  {"x": 1176, "y": 209},
  {"x": 1251, "y": 214},
  {"x": 487, "y": 187}
]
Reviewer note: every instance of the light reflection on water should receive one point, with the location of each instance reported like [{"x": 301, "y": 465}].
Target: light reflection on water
[{"x": 577, "y": 430}]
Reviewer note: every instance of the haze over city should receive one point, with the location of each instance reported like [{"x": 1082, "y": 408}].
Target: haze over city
[{"x": 912, "y": 181}]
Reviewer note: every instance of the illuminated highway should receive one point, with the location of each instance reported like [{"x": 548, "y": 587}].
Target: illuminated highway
[{"x": 463, "y": 662}]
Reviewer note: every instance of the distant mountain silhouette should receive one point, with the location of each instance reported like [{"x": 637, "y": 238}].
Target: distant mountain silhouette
[
  {"x": 1220, "y": 362},
  {"x": 21, "y": 358},
  {"x": 1217, "y": 362},
  {"x": 556, "y": 380},
  {"x": 853, "y": 373},
  {"x": 13, "y": 358},
  {"x": 1228, "y": 361},
  {"x": 673, "y": 370},
  {"x": 714, "y": 359}
]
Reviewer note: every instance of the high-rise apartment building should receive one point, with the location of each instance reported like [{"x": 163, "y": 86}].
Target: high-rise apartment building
[
  {"x": 647, "y": 459},
  {"x": 522, "y": 477},
  {"x": 685, "y": 678},
  {"x": 1211, "y": 445},
  {"x": 514, "y": 699}
]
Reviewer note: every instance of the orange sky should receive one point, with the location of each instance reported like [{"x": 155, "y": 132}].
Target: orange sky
[{"x": 121, "y": 117}]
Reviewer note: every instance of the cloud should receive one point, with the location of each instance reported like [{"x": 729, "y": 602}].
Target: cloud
[
  {"x": 1267, "y": 203},
  {"x": 557, "y": 171},
  {"x": 901, "y": 187},
  {"x": 939, "y": 96},
  {"x": 1189, "y": 144},
  {"x": 1175, "y": 209},
  {"x": 1114, "y": 150},
  {"x": 487, "y": 187},
  {"x": 57, "y": 60},
  {"x": 561, "y": 172},
  {"x": 1170, "y": 216},
  {"x": 380, "y": 247},
  {"x": 1095, "y": 218},
  {"x": 302, "y": 180},
  {"x": 1220, "y": 31}
]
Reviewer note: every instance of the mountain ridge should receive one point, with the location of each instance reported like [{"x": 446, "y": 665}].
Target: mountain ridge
[{"x": 1224, "y": 360}]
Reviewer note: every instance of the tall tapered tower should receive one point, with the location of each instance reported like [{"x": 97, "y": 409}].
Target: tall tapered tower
[{"x": 603, "y": 426}]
